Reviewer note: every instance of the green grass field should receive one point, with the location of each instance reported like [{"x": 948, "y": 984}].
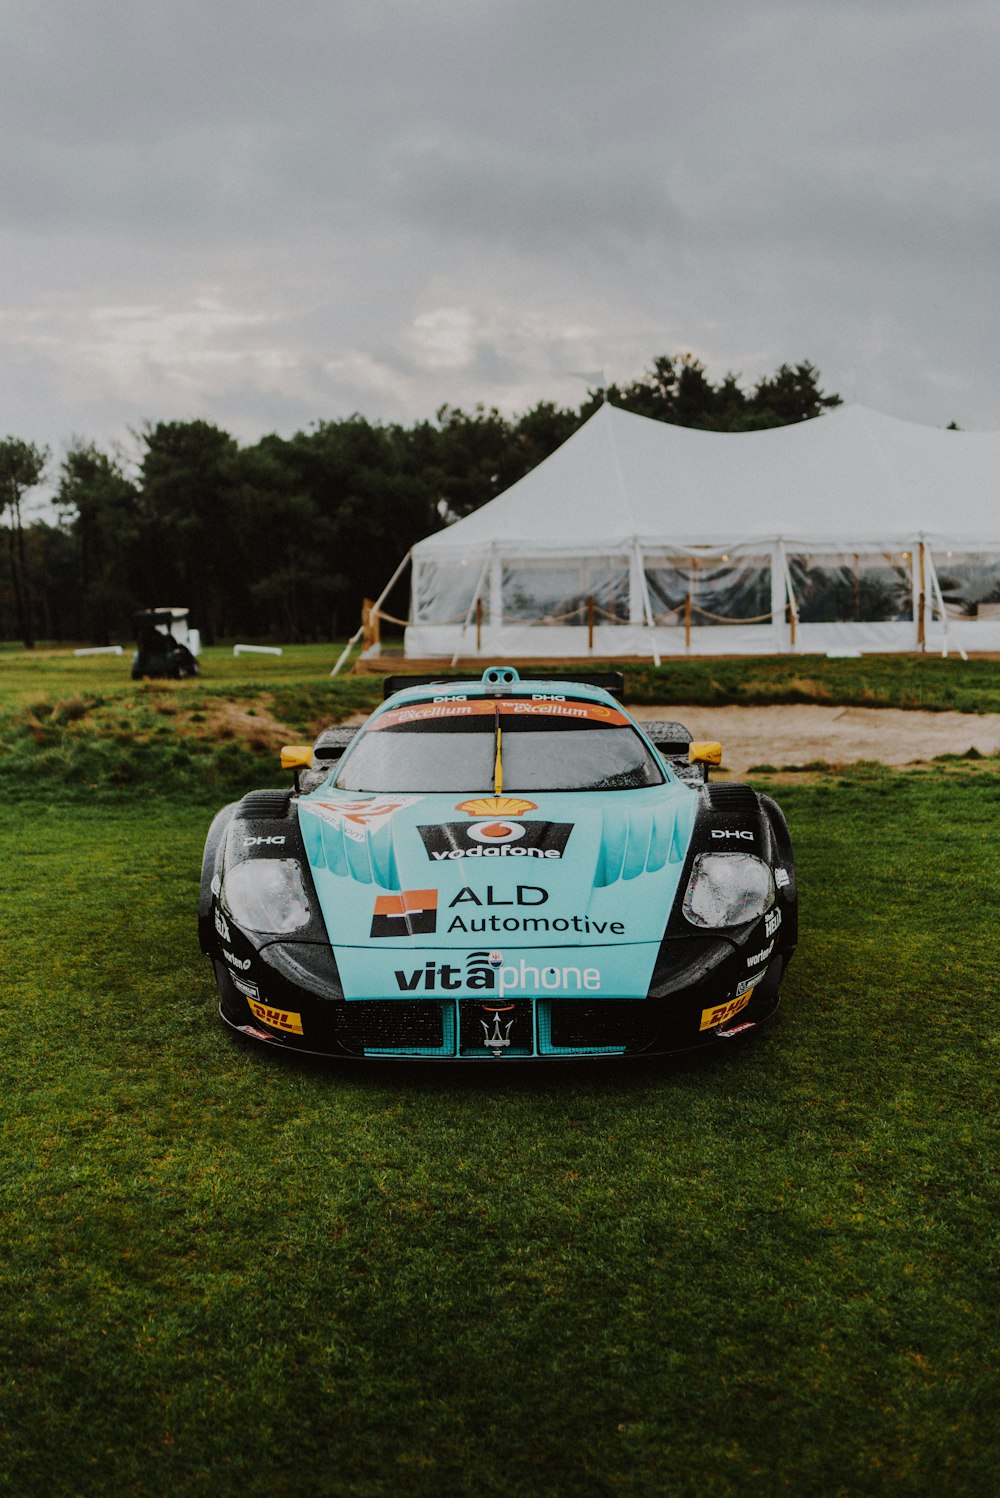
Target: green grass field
[{"x": 220, "y": 1272}]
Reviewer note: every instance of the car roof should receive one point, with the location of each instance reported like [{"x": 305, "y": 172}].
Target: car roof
[{"x": 501, "y": 681}]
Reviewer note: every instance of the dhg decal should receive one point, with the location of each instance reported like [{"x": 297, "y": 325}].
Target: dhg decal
[{"x": 723, "y": 832}]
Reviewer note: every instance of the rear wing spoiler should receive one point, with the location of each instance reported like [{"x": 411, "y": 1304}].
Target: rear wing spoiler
[{"x": 609, "y": 681}]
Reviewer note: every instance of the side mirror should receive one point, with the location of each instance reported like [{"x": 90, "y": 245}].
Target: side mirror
[
  {"x": 705, "y": 754},
  {"x": 296, "y": 757}
]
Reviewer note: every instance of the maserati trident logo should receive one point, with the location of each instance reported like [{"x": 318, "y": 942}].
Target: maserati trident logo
[{"x": 494, "y": 1041}]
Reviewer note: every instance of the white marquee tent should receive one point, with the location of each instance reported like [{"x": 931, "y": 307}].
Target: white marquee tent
[{"x": 853, "y": 531}]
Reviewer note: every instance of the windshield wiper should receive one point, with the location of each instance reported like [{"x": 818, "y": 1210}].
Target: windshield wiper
[{"x": 498, "y": 760}]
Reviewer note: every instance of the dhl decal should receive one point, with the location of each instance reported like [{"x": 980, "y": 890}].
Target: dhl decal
[
  {"x": 278, "y": 1019},
  {"x": 721, "y": 1012}
]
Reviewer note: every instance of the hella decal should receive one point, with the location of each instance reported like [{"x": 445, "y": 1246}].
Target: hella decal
[
  {"x": 500, "y": 838},
  {"x": 772, "y": 921},
  {"x": 710, "y": 1018},
  {"x": 222, "y": 925},
  {"x": 278, "y": 1019},
  {"x": 413, "y": 912}
]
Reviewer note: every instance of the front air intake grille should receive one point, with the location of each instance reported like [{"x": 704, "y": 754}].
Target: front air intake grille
[
  {"x": 732, "y": 798},
  {"x": 391, "y": 1026},
  {"x": 609, "y": 1022},
  {"x": 260, "y": 805}
]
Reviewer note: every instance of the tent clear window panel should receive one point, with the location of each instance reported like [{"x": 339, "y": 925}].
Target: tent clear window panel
[
  {"x": 723, "y": 590},
  {"x": 970, "y": 583},
  {"x": 559, "y": 591},
  {"x": 443, "y": 591},
  {"x": 859, "y": 587}
]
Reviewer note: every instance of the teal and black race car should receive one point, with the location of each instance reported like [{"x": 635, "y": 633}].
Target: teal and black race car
[{"x": 499, "y": 868}]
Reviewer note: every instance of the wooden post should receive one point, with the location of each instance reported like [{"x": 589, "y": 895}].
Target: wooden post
[
  {"x": 369, "y": 624},
  {"x": 921, "y": 600},
  {"x": 479, "y": 625},
  {"x": 687, "y": 621},
  {"x": 590, "y": 622}
]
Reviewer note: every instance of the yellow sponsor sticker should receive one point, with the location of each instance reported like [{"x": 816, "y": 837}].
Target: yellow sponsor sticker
[
  {"x": 278, "y": 1019},
  {"x": 718, "y": 1016}
]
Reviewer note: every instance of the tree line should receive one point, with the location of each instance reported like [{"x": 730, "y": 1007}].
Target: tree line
[{"x": 285, "y": 537}]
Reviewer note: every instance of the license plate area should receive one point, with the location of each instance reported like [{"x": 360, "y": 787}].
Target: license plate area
[{"x": 503, "y": 1028}]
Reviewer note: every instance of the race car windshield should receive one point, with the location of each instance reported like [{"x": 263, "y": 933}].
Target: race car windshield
[{"x": 545, "y": 746}]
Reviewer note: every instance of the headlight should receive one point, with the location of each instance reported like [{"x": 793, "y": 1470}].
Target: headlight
[
  {"x": 728, "y": 889},
  {"x": 266, "y": 894}
]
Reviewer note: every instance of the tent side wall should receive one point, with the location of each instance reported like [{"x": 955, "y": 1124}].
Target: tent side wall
[{"x": 758, "y": 598}]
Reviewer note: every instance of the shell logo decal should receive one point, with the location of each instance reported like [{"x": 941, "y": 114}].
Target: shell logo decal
[{"x": 496, "y": 806}]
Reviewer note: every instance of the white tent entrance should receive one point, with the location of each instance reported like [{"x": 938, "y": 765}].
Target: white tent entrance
[{"x": 853, "y": 531}]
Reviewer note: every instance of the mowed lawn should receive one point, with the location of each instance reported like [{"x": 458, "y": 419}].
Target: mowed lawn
[{"x": 771, "y": 1271}]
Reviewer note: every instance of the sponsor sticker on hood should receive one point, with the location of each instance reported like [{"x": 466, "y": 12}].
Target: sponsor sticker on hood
[
  {"x": 413, "y": 912},
  {"x": 499, "y": 837},
  {"x": 356, "y": 817}
]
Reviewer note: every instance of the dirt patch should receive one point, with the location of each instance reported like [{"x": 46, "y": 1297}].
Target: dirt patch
[
  {"x": 784, "y": 734},
  {"x": 799, "y": 734},
  {"x": 253, "y": 723}
]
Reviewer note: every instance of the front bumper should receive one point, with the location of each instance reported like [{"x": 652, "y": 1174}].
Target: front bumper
[{"x": 270, "y": 1007}]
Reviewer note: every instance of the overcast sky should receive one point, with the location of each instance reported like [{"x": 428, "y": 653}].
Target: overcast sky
[{"x": 269, "y": 215}]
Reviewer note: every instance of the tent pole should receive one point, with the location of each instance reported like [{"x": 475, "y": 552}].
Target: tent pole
[
  {"x": 793, "y": 608},
  {"x": 472, "y": 604},
  {"x": 943, "y": 611},
  {"x": 373, "y": 610},
  {"x": 647, "y": 607},
  {"x": 922, "y": 598}
]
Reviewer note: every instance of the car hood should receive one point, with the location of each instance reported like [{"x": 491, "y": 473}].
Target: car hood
[{"x": 433, "y": 875}]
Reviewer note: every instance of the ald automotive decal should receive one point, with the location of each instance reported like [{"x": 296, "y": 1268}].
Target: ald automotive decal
[
  {"x": 500, "y": 837},
  {"x": 413, "y": 912},
  {"x": 521, "y": 909}
]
